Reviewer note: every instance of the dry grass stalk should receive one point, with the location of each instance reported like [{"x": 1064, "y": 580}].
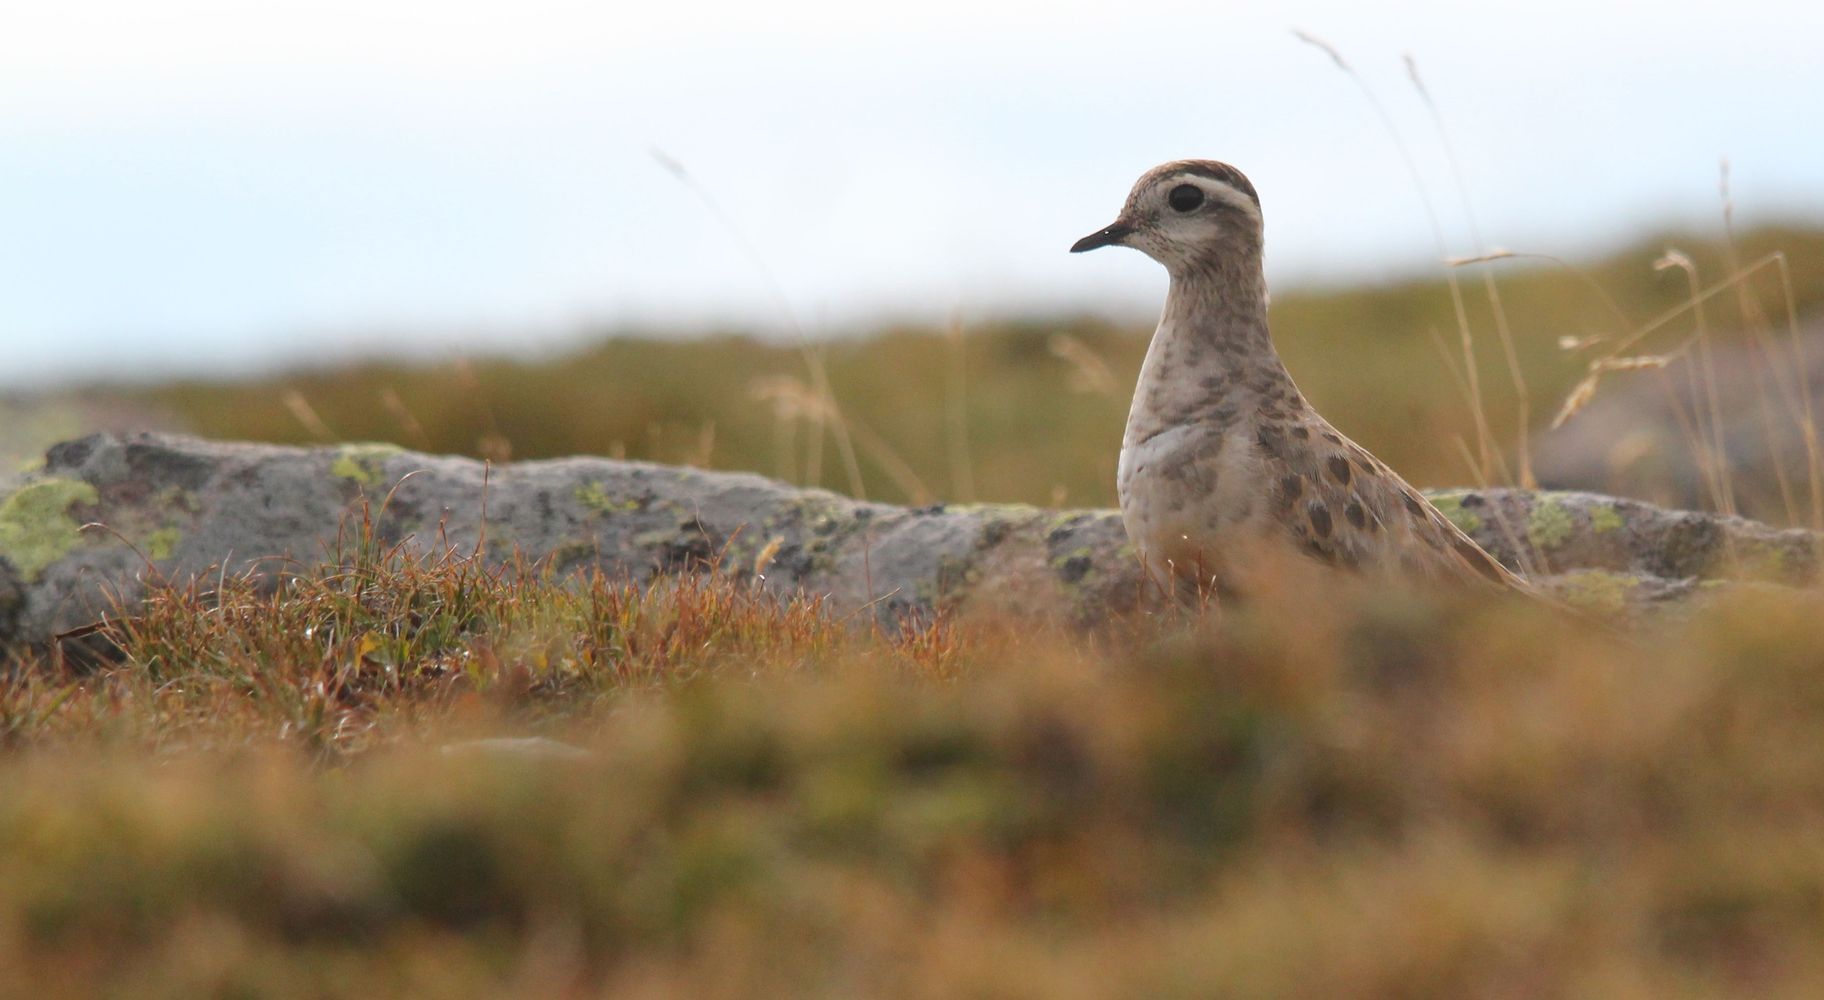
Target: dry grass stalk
[
  {"x": 306, "y": 416},
  {"x": 1488, "y": 457},
  {"x": 396, "y": 408},
  {"x": 1503, "y": 330},
  {"x": 1712, "y": 452},
  {"x": 1088, "y": 372},
  {"x": 830, "y": 413},
  {"x": 792, "y": 399},
  {"x": 956, "y": 414}
]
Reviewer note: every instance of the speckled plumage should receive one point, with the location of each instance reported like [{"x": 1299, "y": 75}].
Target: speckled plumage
[{"x": 1225, "y": 465}]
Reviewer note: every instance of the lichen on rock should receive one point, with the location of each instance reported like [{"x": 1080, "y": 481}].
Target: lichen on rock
[
  {"x": 36, "y": 529},
  {"x": 201, "y": 507},
  {"x": 1550, "y": 523},
  {"x": 363, "y": 464},
  {"x": 1604, "y": 518},
  {"x": 1450, "y": 504}
]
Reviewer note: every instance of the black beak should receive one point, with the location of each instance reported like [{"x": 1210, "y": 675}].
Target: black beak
[{"x": 1112, "y": 236}]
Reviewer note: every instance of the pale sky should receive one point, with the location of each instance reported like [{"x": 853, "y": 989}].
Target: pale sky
[{"x": 191, "y": 186}]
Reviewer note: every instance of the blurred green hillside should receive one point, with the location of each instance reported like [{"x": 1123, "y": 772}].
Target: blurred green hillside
[{"x": 1027, "y": 410}]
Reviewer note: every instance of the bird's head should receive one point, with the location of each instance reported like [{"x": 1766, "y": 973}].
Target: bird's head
[{"x": 1187, "y": 214}]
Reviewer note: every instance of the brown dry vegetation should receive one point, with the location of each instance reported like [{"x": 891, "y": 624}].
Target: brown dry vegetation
[{"x": 1333, "y": 794}]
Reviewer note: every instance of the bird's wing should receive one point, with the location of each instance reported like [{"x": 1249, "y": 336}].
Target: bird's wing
[{"x": 1345, "y": 506}]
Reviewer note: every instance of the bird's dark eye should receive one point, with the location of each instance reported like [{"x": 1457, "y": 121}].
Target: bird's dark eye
[{"x": 1185, "y": 197}]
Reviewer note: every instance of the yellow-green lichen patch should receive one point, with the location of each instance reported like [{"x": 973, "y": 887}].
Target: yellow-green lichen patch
[
  {"x": 1604, "y": 518},
  {"x": 1076, "y": 567},
  {"x": 1550, "y": 522},
  {"x": 595, "y": 497},
  {"x": 956, "y": 576},
  {"x": 1768, "y": 559},
  {"x": 1597, "y": 591},
  {"x": 1451, "y": 506},
  {"x": 1075, "y": 520},
  {"x": 159, "y": 545},
  {"x": 362, "y": 464},
  {"x": 176, "y": 498},
  {"x": 997, "y": 511},
  {"x": 36, "y": 529},
  {"x": 998, "y": 521},
  {"x": 660, "y": 538}
]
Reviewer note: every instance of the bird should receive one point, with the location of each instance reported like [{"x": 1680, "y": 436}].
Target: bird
[{"x": 1225, "y": 467}]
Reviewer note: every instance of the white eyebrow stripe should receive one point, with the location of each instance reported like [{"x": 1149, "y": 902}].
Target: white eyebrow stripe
[{"x": 1236, "y": 198}]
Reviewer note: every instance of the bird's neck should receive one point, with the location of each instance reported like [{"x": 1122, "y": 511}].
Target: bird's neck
[
  {"x": 1225, "y": 308},
  {"x": 1212, "y": 356}
]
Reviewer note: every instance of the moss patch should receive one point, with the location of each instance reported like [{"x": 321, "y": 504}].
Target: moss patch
[
  {"x": 363, "y": 464},
  {"x": 36, "y": 529},
  {"x": 1550, "y": 522}
]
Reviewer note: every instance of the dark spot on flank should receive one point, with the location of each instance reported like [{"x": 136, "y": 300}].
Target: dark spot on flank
[
  {"x": 1414, "y": 505},
  {"x": 1290, "y": 489},
  {"x": 1211, "y": 383},
  {"x": 1356, "y": 515},
  {"x": 1339, "y": 469},
  {"x": 1224, "y": 414},
  {"x": 1301, "y": 433},
  {"x": 1332, "y": 437},
  {"x": 1270, "y": 439},
  {"x": 1320, "y": 518}
]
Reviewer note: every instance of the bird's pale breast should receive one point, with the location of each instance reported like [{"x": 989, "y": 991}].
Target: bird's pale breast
[{"x": 1188, "y": 494}]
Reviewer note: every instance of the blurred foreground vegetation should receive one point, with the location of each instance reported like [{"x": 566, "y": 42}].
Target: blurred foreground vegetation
[
  {"x": 1015, "y": 411},
  {"x": 1325, "y": 794}
]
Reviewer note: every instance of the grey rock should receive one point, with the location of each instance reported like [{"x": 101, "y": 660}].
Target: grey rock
[
  {"x": 106, "y": 514},
  {"x": 1616, "y": 554}
]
